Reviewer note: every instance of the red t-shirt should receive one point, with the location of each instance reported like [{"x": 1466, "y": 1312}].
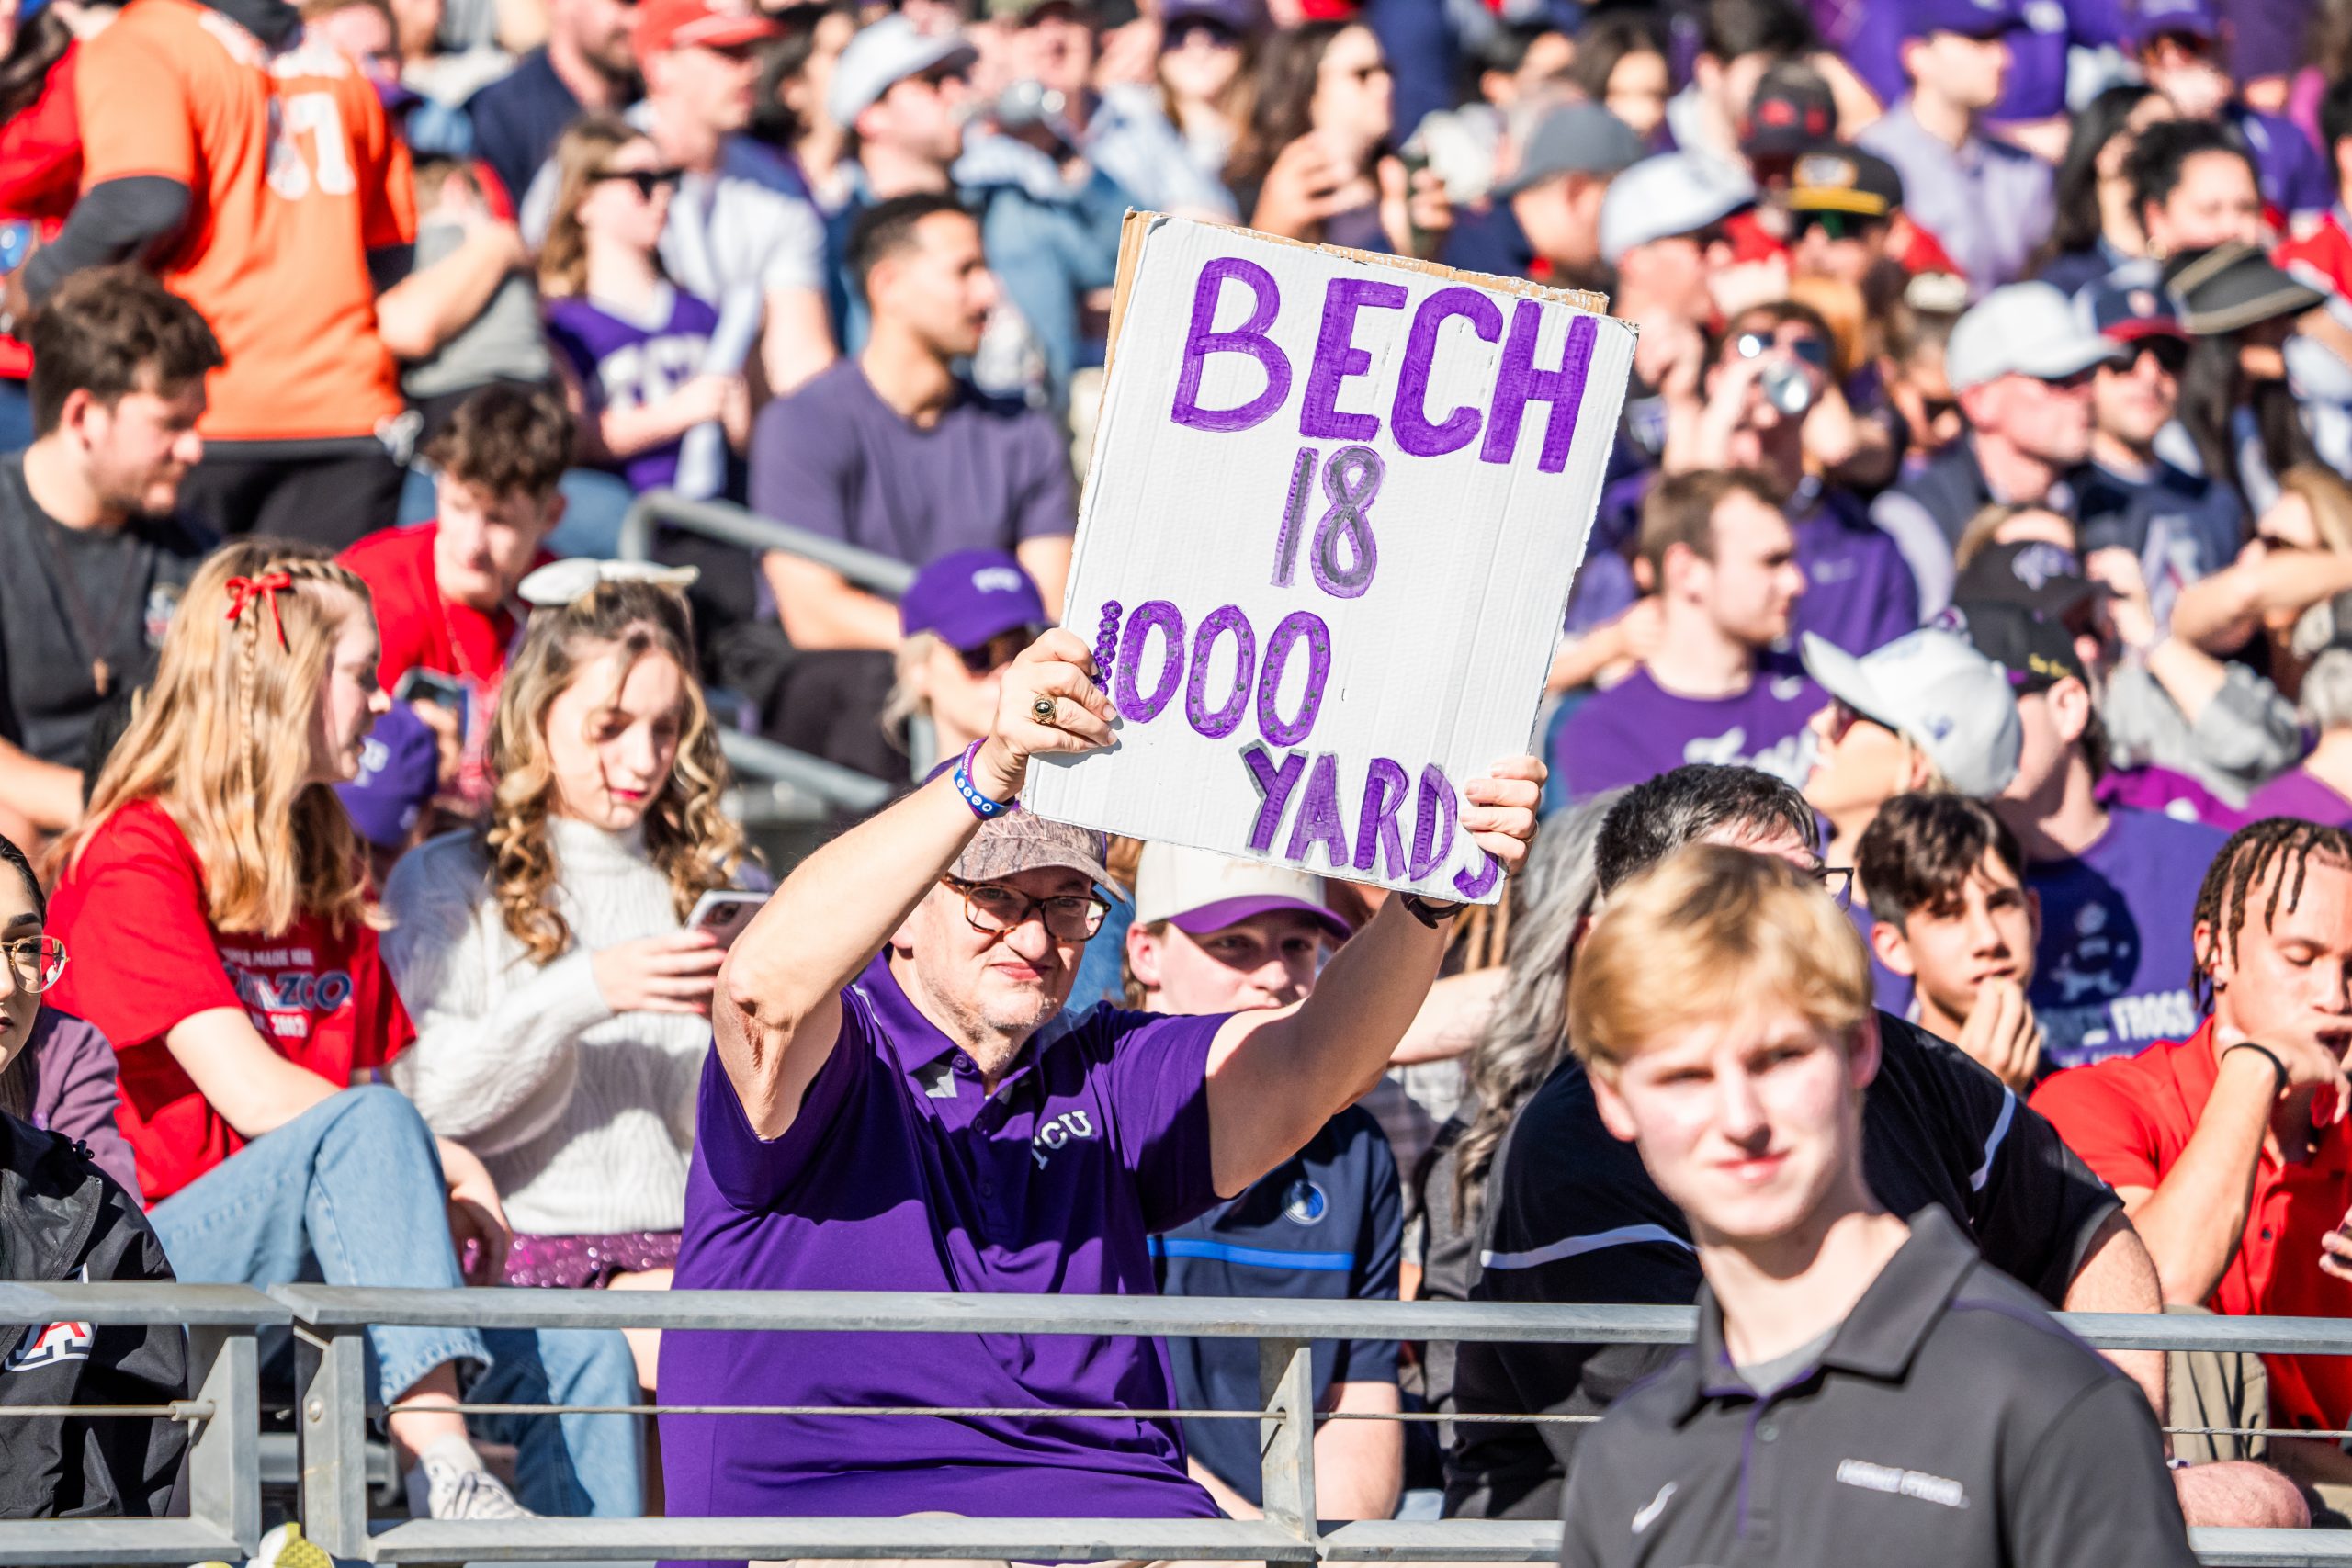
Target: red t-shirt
[
  {"x": 2326, "y": 250},
  {"x": 2129, "y": 1118},
  {"x": 144, "y": 956},
  {"x": 422, "y": 631}
]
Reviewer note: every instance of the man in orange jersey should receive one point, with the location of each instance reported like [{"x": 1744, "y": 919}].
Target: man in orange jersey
[{"x": 254, "y": 170}]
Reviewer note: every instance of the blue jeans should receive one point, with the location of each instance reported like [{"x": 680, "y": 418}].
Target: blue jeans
[{"x": 350, "y": 1193}]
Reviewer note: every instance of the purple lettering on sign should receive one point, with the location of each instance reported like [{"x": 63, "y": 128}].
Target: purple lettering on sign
[
  {"x": 1519, "y": 383},
  {"x": 1415, "y": 434},
  {"x": 1274, "y": 786},
  {"x": 1337, "y": 358},
  {"x": 1383, "y": 792},
  {"x": 1433, "y": 824},
  {"x": 1298, "y": 623},
  {"x": 1223, "y": 722},
  {"x": 1156, "y": 615},
  {"x": 1351, "y": 480},
  {"x": 1248, "y": 338},
  {"x": 1302, "y": 478},
  {"x": 1318, "y": 816},
  {"x": 1475, "y": 884}
]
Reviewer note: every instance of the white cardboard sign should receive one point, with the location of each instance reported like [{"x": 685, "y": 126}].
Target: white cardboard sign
[{"x": 1334, "y": 510}]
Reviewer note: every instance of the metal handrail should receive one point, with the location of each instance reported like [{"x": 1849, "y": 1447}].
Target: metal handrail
[
  {"x": 332, "y": 1321},
  {"x": 832, "y": 787},
  {"x": 736, "y": 525},
  {"x": 223, "y": 1407}
]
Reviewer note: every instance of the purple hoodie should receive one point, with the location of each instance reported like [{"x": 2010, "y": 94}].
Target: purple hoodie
[{"x": 75, "y": 1094}]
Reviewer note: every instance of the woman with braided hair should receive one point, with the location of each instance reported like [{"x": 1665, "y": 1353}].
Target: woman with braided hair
[
  {"x": 214, "y": 898},
  {"x": 561, "y": 1000}
]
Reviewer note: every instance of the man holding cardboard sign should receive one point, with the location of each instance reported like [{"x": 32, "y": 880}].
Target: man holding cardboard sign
[{"x": 878, "y": 1115}]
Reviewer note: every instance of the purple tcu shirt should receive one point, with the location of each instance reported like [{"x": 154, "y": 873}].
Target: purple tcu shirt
[
  {"x": 1858, "y": 591},
  {"x": 2111, "y": 973},
  {"x": 625, "y": 364},
  {"x": 900, "y": 1174},
  {"x": 2299, "y": 792},
  {"x": 1637, "y": 730}
]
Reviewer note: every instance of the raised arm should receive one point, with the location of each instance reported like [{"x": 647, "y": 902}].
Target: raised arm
[
  {"x": 778, "y": 1007},
  {"x": 1275, "y": 1077}
]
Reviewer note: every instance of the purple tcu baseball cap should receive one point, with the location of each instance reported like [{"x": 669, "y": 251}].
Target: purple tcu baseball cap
[
  {"x": 400, "y": 767},
  {"x": 2155, "y": 18},
  {"x": 1970, "y": 19},
  {"x": 971, "y": 596}
]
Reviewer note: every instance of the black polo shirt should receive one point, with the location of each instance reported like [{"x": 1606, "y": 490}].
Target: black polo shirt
[
  {"x": 1950, "y": 1420},
  {"x": 1571, "y": 1215}
]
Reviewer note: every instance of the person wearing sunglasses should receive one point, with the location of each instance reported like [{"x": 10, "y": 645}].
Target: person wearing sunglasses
[
  {"x": 1775, "y": 406},
  {"x": 69, "y": 1212},
  {"x": 2180, "y": 526},
  {"x": 2019, "y": 362},
  {"x": 965, "y": 616},
  {"x": 629, "y": 343}
]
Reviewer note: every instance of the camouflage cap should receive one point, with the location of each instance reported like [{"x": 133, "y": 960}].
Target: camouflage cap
[{"x": 1022, "y": 840}]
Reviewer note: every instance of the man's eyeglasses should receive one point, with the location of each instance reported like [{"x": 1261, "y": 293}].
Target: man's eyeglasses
[
  {"x": 647, "y": 180},
  {"x": 1838, "y": 881},
  {"x": 997, "y": 652},
  {"x": 1811, "y": 350},
  {"x": 995, "y": 909},
  {"x": 37, "y": 962}
]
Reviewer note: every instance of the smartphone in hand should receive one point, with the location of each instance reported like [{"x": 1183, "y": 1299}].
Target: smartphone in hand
[{"x": 725, "y": 914}]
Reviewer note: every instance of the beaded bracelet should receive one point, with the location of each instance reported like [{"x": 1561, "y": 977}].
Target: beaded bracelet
[{"x": 984, "y": 809}]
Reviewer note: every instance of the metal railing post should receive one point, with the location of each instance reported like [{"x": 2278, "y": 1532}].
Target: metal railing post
[
  {"x": 331, "y": 1380},
  {"x": 1286, "y": 1438},
  {"x": 224, "y": 1461}
]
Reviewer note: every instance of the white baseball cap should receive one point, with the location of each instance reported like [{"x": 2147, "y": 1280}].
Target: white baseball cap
[
  {"x": 1199, "y": 891},
  {"x": 882, "y": 55},
  {"x": 1935, "y": 690},
  {"x": 1674, "y": 193},
  {"x": 2025, "y": 329}
]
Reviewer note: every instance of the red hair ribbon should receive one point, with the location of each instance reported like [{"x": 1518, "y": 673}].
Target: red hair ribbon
[{"x": 244, "y": 591}]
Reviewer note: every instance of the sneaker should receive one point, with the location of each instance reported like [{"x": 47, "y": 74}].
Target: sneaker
[
  {"x": 285, "y": 1548},
  {"x": 439, "y": 1489}
]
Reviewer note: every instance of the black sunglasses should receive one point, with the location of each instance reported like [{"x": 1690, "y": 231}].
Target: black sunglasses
[
  {"x": 2171, "y": 352},
  {"x": 647, "y": 180},
  {"x": 1836, "y": 225},
  {"x": 1808, "y": 348}
]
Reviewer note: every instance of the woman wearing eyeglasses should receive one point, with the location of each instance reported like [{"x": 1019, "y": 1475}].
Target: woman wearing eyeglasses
[
  {"x": 629, "y": 343},
  {"x": 214, "y": 898},
  {"x": 560, "y": 995},
  {"x": 63, "y": 1217}
]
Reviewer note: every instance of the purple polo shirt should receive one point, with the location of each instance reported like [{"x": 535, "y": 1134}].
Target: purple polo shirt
[
  {"x": 900, "y": 1174},
  {"x": 2299, "y": 792}
]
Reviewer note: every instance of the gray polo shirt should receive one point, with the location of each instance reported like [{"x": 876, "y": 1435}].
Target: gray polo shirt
[
  {"x": 1989, "y": 203},
  {"x": 1950, "y": 1420}
]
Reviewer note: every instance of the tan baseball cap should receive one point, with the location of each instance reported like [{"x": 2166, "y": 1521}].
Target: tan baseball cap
[
  {"x": 1199, "y": 891},
  {"x": 1022, "y": 840}
]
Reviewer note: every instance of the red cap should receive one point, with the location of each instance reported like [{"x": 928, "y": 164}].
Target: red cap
[{"x": 679, "y": 23}]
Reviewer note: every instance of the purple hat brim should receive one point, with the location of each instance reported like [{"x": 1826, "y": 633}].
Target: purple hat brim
[{"x": 1233, "y": 912}]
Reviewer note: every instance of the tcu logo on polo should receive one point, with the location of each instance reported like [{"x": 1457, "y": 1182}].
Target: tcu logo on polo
[{"x": 1059, "y": 1130}]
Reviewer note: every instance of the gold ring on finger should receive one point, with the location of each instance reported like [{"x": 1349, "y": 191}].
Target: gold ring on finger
[{"x": 1044, "y": 709}]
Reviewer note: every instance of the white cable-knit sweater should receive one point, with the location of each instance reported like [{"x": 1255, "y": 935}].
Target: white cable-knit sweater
[{"x": 585, "y": 1117}]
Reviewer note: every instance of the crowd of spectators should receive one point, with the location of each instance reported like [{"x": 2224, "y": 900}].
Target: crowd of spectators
[{"x": 1976, "y": 540}]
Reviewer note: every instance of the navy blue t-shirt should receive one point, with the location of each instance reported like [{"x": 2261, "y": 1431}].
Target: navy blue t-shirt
[
  {"x": 1326, "y": 1224},
  {"x": 517, "y": 119}
]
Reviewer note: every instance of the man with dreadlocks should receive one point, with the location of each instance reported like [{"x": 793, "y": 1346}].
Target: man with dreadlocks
[{"x": 2230, "y": 1149}]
